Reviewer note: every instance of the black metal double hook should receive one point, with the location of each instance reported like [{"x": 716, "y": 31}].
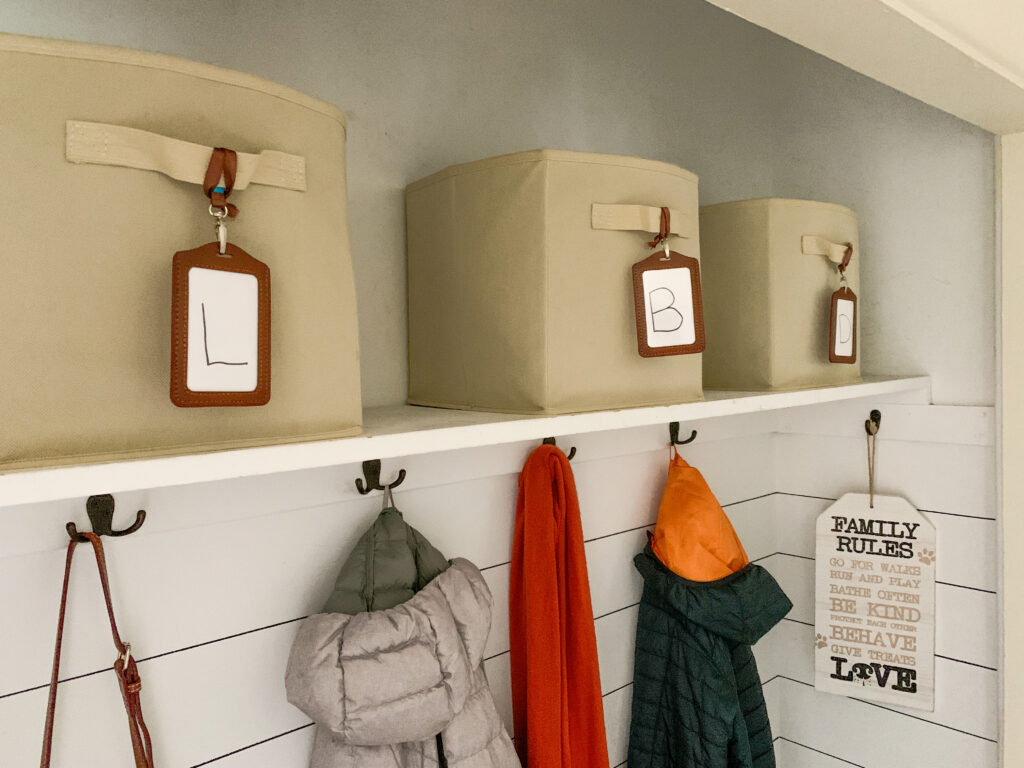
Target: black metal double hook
[
  {"x": 551, "y": 441},
  {"x": 101, "y": 514},
  {"x": 673, "y": 435},
  {"x": 873, "y": 423},
  {"x": 371, "y": 471}
]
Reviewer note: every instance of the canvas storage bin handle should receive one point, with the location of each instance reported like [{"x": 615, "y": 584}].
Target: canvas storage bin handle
[
  {"x": 813, "y": 245},
  {"x": 642, "y": 218},
  {"x": 105, "y": 144}
]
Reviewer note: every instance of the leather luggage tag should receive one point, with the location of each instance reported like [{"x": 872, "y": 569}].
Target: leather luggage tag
[
  {"x": 669, "y": 309},
  {"x": 220, "y": 328},
  {"x": 842, "y": 327}
]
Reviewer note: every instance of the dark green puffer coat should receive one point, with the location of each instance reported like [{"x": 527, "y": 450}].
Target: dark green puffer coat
[{"x": 697, "y": 700}]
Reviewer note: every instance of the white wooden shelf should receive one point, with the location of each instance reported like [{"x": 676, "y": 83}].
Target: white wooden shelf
[{"x": 406, "y": 430}]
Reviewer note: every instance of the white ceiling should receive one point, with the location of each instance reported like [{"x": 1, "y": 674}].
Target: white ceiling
[{"x": 991, "y": 31}]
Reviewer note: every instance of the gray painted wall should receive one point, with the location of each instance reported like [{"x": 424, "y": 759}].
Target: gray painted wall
[{"x": 428, "y": 84}]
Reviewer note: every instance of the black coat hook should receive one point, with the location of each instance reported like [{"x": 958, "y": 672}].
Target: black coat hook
[
  {"x": 371, "y": 471},
  {"x": 551, "y": 441},
  {"x": 101, "y": 514},
  {"x": 673, "y": 435},
  {"x": 873, "y": 422}
]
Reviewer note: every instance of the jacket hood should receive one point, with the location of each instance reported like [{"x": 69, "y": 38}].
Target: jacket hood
[
  {"x": 741, "y": 607},
  {"x": 396, "y": 675},
  {"x": 390, "y": 563},
  {"x": 693, "y": 536}
]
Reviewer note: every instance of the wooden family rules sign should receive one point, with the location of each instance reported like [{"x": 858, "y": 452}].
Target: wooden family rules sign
[{"x": 875, "y": 601}]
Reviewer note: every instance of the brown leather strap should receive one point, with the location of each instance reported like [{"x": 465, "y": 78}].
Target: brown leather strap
[
  {"x": 131, "y": 684},
  {"x": 125, "y": 667},
  {"x": 846, "y": 259},
  {"x": 223, "y": 162},
  {"x": 664, "y": 229}
]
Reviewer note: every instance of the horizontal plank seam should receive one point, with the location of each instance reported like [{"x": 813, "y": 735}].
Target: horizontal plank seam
[
  {"x": 618, "y": 533},
  {"x": 649, "y": 525},
  {"x": 969, "y": 663},
  {"x": 637, "y": 528},
  {"x": 618, "y": 610},
  {"x": 805, "y": 496},
  {"x": 616, "y": 690},
  {"x": 230, "y": 637},
  {"x": 897, "y": 712},
  {"x": 964, "y": 586},
  {"x": 747, "y": 501},
  {"x": 222, "y": 639},
  {"x": 958, "y": 514},
  {"x": 790, "y": 554},
  {"x": 929, "y": 511},
  {"x": 307, "y": 725},
  {"x": 47, "y": 685},
  {"x": 142, "y": 660},
  {"x": 250, "y": 746},
  {"x": 923, "y": 720},
  {"x": 822, "y": 752},
  {"x": 496, "y": 565},
  {"x": 301, "y": 727}
]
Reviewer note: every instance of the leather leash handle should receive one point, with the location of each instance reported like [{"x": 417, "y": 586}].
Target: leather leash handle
[{"x": 125, "y": 667}]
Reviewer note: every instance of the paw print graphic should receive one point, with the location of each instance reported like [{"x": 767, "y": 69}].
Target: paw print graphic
[
  {"x": 927, "y": 556},
  {"x": 820, "y": 641}
]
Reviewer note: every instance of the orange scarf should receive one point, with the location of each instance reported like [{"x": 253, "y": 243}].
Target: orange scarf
[
  {"x": 556, "y": 687},
  {"x": 693, "y": 537}
]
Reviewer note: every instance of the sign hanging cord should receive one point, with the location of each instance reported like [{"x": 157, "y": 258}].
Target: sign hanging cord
[{"x": 871, "y": 428}]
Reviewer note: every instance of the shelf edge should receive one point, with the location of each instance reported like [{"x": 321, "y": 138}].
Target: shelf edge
[{"x": 52, "y": 484}]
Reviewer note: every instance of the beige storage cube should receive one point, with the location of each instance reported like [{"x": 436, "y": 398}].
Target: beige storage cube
[
  {"x": 102, "y": 153},
  {"x": 519, "y": 302},
  {"x": 767, "y": 293}
]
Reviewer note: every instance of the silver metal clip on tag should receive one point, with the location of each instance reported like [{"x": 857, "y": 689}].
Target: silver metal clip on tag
[
  {"x": 667, "y": 256},
  {"x": 222, "y": 229}
]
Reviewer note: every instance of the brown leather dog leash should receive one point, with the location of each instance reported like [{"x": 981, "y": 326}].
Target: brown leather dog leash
[{"x": 124, "y": 667}]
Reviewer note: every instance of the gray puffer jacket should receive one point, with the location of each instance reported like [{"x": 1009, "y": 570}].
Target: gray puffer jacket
[{"x": 381, "y": 685}]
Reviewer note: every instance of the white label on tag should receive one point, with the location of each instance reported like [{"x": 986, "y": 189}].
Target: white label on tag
[
  {"x": 844, "y": 328},
  {"x": 668, "y": 306},
  {"x": 223, "y": 331}
]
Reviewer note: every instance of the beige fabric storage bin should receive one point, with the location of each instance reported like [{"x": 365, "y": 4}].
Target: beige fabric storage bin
[
  {"x": 85, "y": 292},
  {"x": 767, "y": 293},
  {"x": 519, "y": 303}
]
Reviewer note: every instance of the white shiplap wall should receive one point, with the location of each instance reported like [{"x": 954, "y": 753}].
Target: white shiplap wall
[
  {"x": 942, "y": 459},
  {"x": 210, "y": 591}
]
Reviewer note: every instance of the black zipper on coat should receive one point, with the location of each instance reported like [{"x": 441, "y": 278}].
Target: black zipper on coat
[{"x": 442, "y": 761}]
